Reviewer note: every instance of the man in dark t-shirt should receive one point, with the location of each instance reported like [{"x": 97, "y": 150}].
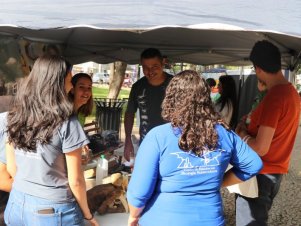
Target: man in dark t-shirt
[{"x": 146, "y": 95}]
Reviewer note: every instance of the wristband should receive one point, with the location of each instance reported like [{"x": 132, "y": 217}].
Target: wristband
[{"x": 88, "y": 219}]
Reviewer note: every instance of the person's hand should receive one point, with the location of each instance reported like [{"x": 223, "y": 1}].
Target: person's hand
[
  {"x": 128, "y": 148},
  {"x": 93, "y": 222},
  {"x": 133, "y": 221},
  {"x": 241, "y": 129}
]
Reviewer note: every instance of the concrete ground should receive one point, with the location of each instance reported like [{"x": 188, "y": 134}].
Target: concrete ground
[{"x": 286, "y": 209}]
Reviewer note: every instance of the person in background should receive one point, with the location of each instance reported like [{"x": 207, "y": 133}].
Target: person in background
[
  {"x": 44, "y": 151},
  {"x": 262, "y": 91},
  {"x": 271, "y": 133},
  {"x": 5, "y": 177},
  {"x": 300, "y": 108},
  {"x": 226, "y": 104},
  {"x": 146, "y": 94},
  {"x": 81, "y": 96},
  {"x": 249, "y": 188},
  {"x": 180, "y": 166},
  {"x": 214, "y": 95}
]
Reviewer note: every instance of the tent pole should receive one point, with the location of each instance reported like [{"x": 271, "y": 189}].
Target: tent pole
[{"x": 240, "y": 84}]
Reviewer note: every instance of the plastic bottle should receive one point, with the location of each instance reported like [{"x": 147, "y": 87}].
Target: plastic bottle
[
  {"x": 101, "y": 169},
  {"x": 99, "y": 172},
  {"x": 104, "y": 167},
  {"x": 135, "y": 142}
]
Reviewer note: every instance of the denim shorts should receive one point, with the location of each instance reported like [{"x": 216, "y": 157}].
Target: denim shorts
[{"x": 27, "y": 210}]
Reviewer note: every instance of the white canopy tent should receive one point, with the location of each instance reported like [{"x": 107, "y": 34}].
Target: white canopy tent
[
  {"x": 192, "y": 31},
  {"x": 204, "y": 44},
  {"x": 199, "y": 32}
]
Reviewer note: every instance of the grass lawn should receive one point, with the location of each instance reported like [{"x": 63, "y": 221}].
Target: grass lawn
[{"x": 103, "y": 91}]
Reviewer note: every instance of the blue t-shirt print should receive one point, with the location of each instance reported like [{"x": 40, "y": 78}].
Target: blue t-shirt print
[{"x": 191, "y": 164}]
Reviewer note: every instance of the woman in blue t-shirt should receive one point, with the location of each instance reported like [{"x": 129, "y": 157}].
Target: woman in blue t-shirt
[
  {"x": 44, "y": 155},
  {"x": 180, "y": 166}
]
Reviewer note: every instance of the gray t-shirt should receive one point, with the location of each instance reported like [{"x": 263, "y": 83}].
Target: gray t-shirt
[
  {"x": 148, "y": 99},
  {"x": 3, "y": 123},
  {"x": 44, "y": 173}
]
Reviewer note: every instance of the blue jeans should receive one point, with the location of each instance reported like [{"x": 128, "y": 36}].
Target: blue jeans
[
  {"x": 26, "y": 210},
  {"x": 255, "y": 211}
]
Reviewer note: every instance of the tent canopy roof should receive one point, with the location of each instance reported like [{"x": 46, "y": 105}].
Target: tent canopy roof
[{"x": 206, "y": 32}]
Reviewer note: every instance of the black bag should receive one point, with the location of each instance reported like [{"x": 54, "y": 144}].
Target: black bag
[
  {"x": 110, "y": 138},
  {"x": 96, "y": 143},
  {"x": 99, "y": 142}
]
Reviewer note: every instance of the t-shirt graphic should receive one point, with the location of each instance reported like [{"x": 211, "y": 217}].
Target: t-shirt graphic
[
  {"x": 192, "y": 164},
  {"x": 144, "y": 122},
  {"x": 148, "y": 100}
]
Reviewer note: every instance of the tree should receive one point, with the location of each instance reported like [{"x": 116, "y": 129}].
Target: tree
[{"x": 117, "y": 72}]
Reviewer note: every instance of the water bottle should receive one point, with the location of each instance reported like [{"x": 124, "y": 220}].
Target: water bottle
[
  {"x": 105, "y": 166},
  {"x": 99, "y": 173},
  {"x": 135, "y": 142},
  {"x": 101, "y": 169}
]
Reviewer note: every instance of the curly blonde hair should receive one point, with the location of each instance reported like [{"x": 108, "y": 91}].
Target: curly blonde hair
[{"x": 188, "y": 106}]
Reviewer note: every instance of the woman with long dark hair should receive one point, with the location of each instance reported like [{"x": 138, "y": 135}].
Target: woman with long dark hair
[
  {"x": 44, "y": 155},
  {"x": 226, "y": 104},
  {"x": 180, "y": 165},
  {"x": 81, "y": 96}
]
